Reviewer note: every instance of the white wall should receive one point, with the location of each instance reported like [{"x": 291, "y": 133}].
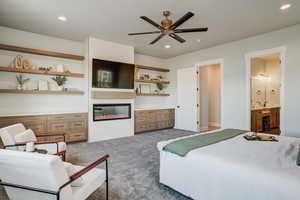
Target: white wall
[
  {"x": 26, "y": 104},
  {"x": 234, "y": 72}
]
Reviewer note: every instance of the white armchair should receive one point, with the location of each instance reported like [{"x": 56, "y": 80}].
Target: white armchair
[
  {"x": 16, "y": 136},
  {"x": 20, "y": 174}
]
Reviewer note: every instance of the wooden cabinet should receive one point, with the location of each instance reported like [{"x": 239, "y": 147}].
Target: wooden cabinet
[
  {"x": 74, "y": 125},
  {"x": 149, "y": 120},
  {"x": 266, "y": 120}
]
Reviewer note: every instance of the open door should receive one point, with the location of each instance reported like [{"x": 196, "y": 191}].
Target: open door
[{"x": 187, "y": 97}]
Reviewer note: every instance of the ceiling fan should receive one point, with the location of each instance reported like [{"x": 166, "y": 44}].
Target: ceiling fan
[{"x": 169, "y": 28}]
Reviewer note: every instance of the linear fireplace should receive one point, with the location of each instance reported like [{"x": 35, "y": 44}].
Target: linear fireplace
[{"x": 111, "y": 111}]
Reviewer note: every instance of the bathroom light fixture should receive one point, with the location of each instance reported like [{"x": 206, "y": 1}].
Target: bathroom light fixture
[
  {"x": 262, "y": 77},
  {"x": 285, "y": 6},
  {"x": 167, "y": 46},
  {"x": 62, "y": 18}
]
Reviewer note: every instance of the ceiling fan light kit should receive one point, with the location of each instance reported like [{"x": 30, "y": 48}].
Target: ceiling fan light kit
[{"x": 169, "y": 28}]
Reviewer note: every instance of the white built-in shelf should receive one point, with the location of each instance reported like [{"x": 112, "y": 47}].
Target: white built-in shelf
[
  {"x": 42, "y": 72},
  {"x": 13, "y": 91}
]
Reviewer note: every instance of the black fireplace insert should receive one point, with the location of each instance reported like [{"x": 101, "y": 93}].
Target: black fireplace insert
[{"x": 103, "y": 112}]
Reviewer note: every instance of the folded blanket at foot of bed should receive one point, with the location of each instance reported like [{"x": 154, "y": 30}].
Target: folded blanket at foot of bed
[{"x": 183, "y": 146}]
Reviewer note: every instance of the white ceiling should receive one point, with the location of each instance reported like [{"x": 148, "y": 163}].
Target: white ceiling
[{"x": 227, "y": 20}]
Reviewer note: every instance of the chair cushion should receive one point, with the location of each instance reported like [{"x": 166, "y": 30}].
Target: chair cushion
[
  {"x": 33, "y": 170},
  {"x": 8, "y": 133},
  {"x": 72, "y": 170},
  {"x": 26, "y": 136},
  {"x": 52, "y": 147},
  {"x": 92, "y": 181}
]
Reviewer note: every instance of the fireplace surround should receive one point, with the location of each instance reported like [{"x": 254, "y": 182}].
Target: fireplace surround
[{"x": 104, "y": 112}]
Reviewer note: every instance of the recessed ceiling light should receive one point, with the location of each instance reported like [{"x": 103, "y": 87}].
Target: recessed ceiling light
[
  {"x": 62, "y": 18},
  {"x": 285, "y": 6},
  {"x": 167, "y": 46},
  {"x": 198, "y": 40}
]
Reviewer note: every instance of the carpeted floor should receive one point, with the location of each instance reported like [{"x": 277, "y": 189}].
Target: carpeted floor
[{"x": 133, "y": 166}]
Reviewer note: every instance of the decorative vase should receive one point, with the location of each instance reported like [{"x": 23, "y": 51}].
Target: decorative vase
[
  {"x": 20, "y": 87},
  {"x": 61, "y": 87}
]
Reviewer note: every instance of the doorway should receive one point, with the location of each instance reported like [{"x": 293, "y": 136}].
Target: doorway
[
  {"x": 265, "y": 80},
  {"x": 209, "y": 97}
]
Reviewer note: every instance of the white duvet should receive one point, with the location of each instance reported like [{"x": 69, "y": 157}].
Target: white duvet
[{"x": 235, "y": 169}]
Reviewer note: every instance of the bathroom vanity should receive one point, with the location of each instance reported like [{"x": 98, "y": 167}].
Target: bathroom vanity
[{"x": 266, "y": 120}]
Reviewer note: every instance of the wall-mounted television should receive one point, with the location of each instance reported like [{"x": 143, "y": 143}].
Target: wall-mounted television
[{"x": 110, "y": 74}]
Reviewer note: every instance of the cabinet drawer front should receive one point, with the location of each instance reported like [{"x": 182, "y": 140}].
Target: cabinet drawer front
[
  {"x": 57, "y": 126},
  {"x": 35, "y": 126},
  {"x": 75, "y": 125},
  {"x": 76, "y": 137},
  {"x": 140, "y": 127},
  {"x": 79, "y": 116},
  {"x": 58, "y": 117}
]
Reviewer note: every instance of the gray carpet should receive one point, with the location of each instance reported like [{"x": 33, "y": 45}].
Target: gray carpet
[{"x": 133, "y": 166}]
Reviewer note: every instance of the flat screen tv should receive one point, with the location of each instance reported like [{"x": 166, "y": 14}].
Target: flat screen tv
[{"x": 109, "y": 74}]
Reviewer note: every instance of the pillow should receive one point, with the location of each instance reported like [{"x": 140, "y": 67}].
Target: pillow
[
  {"x": 26, "y": 136},
  {"x": 70, "y": 171}
]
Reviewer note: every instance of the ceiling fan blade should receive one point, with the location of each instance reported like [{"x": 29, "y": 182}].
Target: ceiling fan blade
[
  {"x": 158, "y": 38},
  {"x": 176, "y": 37},
  {"x": 144, "y": 33},
  {"x": 189, "y": 30},
  {"x": 151, "y": 22},
  {"x": 182, "y": 20}
]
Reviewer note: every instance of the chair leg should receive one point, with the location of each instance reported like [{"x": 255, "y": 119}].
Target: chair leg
[
  {"x": 106, "y": 179},
  {"x": 64, "y": 157}
]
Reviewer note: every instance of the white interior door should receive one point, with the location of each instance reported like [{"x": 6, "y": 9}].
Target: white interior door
[{"x": 186, "y": 111}]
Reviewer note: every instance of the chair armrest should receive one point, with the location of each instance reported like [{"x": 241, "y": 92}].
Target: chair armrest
[{"x": 88, "y": 168}]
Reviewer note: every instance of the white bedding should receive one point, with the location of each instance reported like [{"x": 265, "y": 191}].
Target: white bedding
[{"x": 235, "y": 169}]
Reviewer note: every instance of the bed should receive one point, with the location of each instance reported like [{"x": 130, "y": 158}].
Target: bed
[{"x": 234, "y": 169}]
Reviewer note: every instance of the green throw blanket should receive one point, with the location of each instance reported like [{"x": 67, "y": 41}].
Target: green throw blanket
[{"x": 185, "y": 145}]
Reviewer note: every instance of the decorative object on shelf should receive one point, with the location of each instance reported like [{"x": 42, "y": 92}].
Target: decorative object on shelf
[
  {"x": 160, "y": 77},
  {"x": 43, "y": 85},
  {"x": 60, "y": 80},
  {"x": 21, "y": 81},
  {"x": 160, "y": 86},
  {"x": 137, "y": 90},
  {"x": 60, "y": 68},
  {"x": 26, "y": 64},
  {"x": 18, "y": 62},
  {"x": 146, "y": 76},
  {"x": 145, "y": 88}
]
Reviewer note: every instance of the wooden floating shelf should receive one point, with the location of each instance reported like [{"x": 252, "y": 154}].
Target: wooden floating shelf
[
  {"x": 34, "y": 71},
  {"x": 151, "y": 94},
  {"x": 40, "y": 52},
  {"x": 152, "y": 81},
  {"x": 152, "y": 68},
  {"x": 13, "y": 91}
]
